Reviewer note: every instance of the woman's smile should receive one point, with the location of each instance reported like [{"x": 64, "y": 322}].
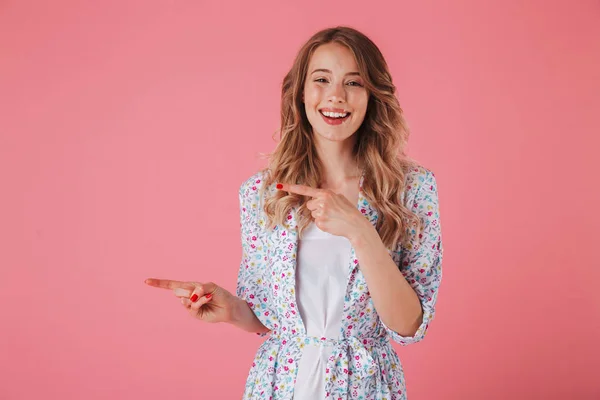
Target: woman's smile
[{"x": 334, "y": 116}]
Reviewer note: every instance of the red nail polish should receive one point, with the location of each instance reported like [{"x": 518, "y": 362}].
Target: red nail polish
[
  {"x": 208, "y": 296},
  {"x": 279, "y": 186},
  {"x": 194, "y": 298}
]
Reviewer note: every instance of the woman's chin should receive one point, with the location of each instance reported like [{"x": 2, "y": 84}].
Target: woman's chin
[{"x": 335, "y": 136}]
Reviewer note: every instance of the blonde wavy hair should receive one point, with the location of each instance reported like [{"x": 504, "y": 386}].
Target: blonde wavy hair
[{"x": 379, "y": 149}]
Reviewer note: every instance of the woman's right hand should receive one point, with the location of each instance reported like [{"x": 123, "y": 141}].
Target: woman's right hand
[{"x": 205, "y": 301}]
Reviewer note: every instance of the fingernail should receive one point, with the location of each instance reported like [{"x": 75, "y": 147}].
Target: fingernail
[
  {"x": 194, "y": 298},
  {"x": 279, "y": 186},
  {"x": 208, "y": 296}
]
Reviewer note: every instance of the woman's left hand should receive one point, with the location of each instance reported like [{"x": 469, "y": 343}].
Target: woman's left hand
[{"x": 332, "y": 212}]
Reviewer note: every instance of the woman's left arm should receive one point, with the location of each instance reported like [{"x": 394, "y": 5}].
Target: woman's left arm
[
  {"x": 395, "y": 300},
  {"x": 405, "y": 295}
]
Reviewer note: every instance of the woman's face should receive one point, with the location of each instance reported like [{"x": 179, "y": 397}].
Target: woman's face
[{"x": 335, "y": 98}]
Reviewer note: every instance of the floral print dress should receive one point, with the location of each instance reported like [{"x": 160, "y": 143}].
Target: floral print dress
[{"x": 363, "y": 364}]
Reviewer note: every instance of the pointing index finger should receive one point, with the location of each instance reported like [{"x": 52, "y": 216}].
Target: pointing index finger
[
  {"x": 299, "y": 189},
  {"x": 168, "y": 284}
]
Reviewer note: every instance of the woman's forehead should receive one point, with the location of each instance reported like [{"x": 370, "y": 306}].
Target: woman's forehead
[{"x": 332, "y": 58}]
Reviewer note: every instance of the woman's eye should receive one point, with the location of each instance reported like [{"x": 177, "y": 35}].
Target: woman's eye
[{"x": 351, "y": 83}]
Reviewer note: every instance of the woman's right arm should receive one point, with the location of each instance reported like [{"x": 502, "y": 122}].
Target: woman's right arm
[{"x": 244, "y": 318}]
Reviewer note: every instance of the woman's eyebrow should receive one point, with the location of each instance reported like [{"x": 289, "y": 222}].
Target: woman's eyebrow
[{"x": 329, "y": 72}]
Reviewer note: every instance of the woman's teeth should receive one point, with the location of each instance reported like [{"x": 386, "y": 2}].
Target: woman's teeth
[{"x": 334, "y": 114}]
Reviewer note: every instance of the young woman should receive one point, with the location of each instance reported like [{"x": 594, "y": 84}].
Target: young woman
[{"x": 341, "y": 237}]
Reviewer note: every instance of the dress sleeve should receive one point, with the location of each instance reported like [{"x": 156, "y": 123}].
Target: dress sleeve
[
  {"x": 251, "y": 285},
  {"x": 421, "y": 260}
]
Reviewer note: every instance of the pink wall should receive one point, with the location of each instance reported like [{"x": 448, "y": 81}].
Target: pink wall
[{"x": 126, "y": 128}]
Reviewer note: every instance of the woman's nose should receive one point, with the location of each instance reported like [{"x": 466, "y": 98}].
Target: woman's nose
[{"x": 337, "y": 93}]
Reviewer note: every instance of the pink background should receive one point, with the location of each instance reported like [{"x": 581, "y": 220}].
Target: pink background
[{"x": 128, "y": 126}]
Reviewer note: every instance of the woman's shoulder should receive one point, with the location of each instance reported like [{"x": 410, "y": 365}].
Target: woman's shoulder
[
  {"x": 257, "y": 180},
  {"x": 252, "y": 185},
  {"x": 418, "y": 176}
]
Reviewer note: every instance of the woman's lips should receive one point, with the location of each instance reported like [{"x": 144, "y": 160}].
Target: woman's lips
[{"x": 334, "y": 121}]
